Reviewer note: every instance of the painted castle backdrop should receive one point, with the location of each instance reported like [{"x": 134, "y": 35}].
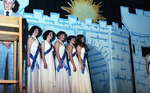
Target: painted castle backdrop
[{"x": 110, "y": 58}]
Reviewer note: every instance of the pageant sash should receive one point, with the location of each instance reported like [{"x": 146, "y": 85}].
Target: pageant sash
[
  {"x": 49, "y": 50},
  {"x": 83, "y": 62},
  {"x": 72, "y": 55},
  {"x": 34, "y": 59},
  {"x": 63, "y": 63},
  {"x": 69, "y": 69}
]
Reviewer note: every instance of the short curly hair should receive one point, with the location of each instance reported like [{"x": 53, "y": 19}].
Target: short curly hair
[
  {"x": 60, "y": 33},
  {"x": 33, "y": 28},
  {"x": 46, "y": 33},
  {"x": 70, "y": 37}
]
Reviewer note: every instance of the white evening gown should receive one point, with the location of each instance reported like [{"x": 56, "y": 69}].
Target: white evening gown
[
  {"x": 75, "y": 76},
  {"x": 48, "y": 75},
  {"x": 62, "y": 77},
  {"x": 33, "y": 73},
  {"x": 85, "y": 77}
]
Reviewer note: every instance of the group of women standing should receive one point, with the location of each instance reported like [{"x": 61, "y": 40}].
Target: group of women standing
[{"x": 63, "y": 71}]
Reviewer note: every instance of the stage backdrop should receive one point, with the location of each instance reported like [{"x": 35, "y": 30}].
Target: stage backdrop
[
  {"x": 139, "y": 26},
  {"x": 109, "y": 55}
]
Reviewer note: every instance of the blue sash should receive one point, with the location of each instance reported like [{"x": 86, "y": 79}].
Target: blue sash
[
  {"x": 72, "y": 55},
  {"x": 34, "y": 59},
  {"x": 69, "y": 69},
  {"x": 49, "y": 50},
  {"x": 63, "y": 63},
  {"x": 83, "y": 62}
]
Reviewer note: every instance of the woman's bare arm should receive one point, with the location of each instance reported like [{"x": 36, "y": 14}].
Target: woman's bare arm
[
  {"x": 43, "y": 56},
  {"x": 79, "y": 56},
  {"x": 70, "y": 49},
  {"x": 29, "y": 43},
  {"x": 57, "y": 45}
]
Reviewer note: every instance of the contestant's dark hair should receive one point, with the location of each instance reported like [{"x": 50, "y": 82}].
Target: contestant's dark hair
[
  {"x": 32, "y": 30},
  {"x": 80, "y": 43},
  {"x": 60, "y": 33},
  {"x": 46, "y": 33},
  {"x": 70, "y": 37}
]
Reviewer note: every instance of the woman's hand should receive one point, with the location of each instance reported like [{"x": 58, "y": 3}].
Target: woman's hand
[
  {"x": 61, "y": 66},
  {"x": 74, "y": 68},
  {"x": 57, "y": 45},
  {"x": 29, "y": 63},
  {"x": 45, "y": 65},
  {"x": 82, "y": 67}
]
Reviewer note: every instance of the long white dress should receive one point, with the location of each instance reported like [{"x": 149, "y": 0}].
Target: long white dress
[
  {"x": 75, "y": 76},
  {"x": 62, "y": 77},
  {"x": 48, "y": 75},
  {"x": 33, "y": 74},
  {"x": 85, "y": 77}
]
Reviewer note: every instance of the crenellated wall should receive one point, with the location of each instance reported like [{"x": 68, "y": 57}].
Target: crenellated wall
[
  {"x": 121, "y": 61},
  {"x": 138, "y": 22},
  {"x": 109, "y": 55},
  {"x": 142, "y": 80},
  {"x": 108, "y": 44},
  {"x": 139, "y": 26},
  {"x": 97, "y": 38}
]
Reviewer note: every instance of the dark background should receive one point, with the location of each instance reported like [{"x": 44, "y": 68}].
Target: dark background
[{"x": 110, "y": 8}]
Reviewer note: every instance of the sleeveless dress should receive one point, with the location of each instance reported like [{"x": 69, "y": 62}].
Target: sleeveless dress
[
  {"x": 75, "y": 76},
  {"x": 48, "y": 75},
  {"x": 33, "y": 70},
  {"x": 62, "y": 77},
  {"x": 85, "y": 76}
]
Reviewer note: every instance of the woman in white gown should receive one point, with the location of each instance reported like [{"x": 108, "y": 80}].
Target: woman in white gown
[
  {"x": 47, "y": 66},
  {"x": 85, "y": 75},
  {"x": 33, "y": 60},
  {"x": 74, "y": 64},
  {"x": 62, "y": 77}
]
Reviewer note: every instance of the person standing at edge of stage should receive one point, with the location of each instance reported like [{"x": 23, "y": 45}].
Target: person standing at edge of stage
[
  {"x": 48, "y": 84},
  {"x": 33, "y": 60},
  {"x": 6, "y": 47},
  {"x": 74, "y": 64},
  {"x": 82, "y": 50},
  {"x": 62, "y": 77},
  {"x": 147, "y": 57}
]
